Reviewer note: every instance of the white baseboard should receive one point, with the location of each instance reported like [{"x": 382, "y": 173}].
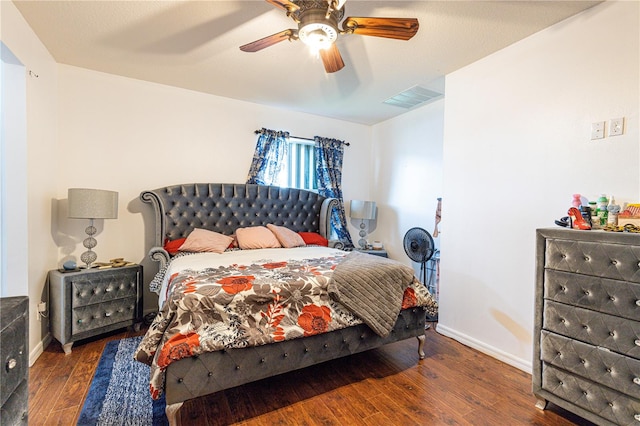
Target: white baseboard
[
  {"x": 505, "y": 357},
  {"x": 39, "y": 349}
]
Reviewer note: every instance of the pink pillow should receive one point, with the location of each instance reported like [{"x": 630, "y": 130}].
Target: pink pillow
[
  {"x": 286, "y": 236},
  {"x": 255, "y": 237},
  {"x": 200, "y": 240}
]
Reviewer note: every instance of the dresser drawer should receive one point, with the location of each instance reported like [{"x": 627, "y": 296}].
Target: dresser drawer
[
  {"x": 597, "y": 364},
  {"x": 620, "y": 298},
  {"x": 13, "y": 345},
  {"x": 15, "y": 411},
  {"x": 614, "y": 333},
  {"x": 613, "y": 406},
  {"x": 89, "y": 289},
  {"x": 600, "y": 259},
  {"x": 92, "y": 317}
]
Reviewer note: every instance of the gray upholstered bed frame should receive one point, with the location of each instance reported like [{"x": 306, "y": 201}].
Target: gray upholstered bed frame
[{"x": 224, "y": 208}]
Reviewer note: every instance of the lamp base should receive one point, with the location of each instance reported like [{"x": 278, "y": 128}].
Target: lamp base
[{"x": 89, "y": 256}]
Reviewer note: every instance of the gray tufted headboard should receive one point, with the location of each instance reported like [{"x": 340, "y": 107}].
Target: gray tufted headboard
[{"x": 224, "y": 207}]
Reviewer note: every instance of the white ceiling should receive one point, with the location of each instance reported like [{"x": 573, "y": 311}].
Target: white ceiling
[{"x": 195, "y": 45}]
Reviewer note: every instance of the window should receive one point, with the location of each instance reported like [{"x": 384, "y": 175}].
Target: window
[{"x": 299, "y": 171}]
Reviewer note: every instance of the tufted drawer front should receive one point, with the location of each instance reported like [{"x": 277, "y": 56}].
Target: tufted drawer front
[
  {"x": 611, "y": 332},
  {"x": 89, "y": 289},
  {"x": 599, "y": 259},
  {"x": 620, "y": 298},
  {"x": 609, "y": 404},
  {"x": 594, "y": 363},
  {"x": 100, "y": 315},
  {"x": 14, "y": 372},
  {"x": 587, "y": 325},
  {"x": 14, "y": 354}
]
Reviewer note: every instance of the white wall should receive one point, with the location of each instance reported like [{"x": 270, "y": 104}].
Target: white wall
[
  {"x": 13, "y": 176},
  {"x": 41, "y": 159},
  {"x": 516, "y": 147},
  {"x": 128, "y": 135},
  {"x": 406, "y": 180}
]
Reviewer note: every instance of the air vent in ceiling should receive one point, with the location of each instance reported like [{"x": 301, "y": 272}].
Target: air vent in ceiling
[{"x": 413, "y": 97}]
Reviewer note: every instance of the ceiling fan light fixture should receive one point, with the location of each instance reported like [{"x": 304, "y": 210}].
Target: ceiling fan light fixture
[{"x": 318, "y": 35}]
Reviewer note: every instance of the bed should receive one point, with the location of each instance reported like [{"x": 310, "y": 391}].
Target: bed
[{"x": 303, "y": 295}]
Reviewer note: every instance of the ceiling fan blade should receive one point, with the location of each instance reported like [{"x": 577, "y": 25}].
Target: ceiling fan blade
[
  {"x": 332, "y": 59},
  {"x": 285, "y": 4},
  {"x": 268, "y": 41},
  {"x": 397, "y": 28}
]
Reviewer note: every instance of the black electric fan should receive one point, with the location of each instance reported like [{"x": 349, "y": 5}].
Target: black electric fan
[{"x": 418, "y": 244}]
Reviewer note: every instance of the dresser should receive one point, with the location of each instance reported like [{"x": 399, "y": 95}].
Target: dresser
[
  {"x": 14, "y": 338},
  {"x": 587, "y": 324},
  {"x": 94, "y": 301}
]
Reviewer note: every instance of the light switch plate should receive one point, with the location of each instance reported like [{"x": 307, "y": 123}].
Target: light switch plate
[
  {"x": 597, "y": 130},
  {"x": 616, "y": 126}
]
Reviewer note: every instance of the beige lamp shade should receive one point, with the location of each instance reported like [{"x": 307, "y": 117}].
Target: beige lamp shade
[
  {"x": 365, "y": 210},
  {"x": 92, "y": 203}
]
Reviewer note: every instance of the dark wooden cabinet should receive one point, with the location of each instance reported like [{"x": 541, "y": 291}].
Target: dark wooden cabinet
[{"x": 14, "y": 376}]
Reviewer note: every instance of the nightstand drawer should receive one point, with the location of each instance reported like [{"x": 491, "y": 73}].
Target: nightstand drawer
[
  {"x": 100, "y": 315},
  {"x": 89, "y": 289}
]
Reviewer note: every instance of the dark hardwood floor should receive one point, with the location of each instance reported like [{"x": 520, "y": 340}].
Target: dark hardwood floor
[{"x": 453, "y": 385}]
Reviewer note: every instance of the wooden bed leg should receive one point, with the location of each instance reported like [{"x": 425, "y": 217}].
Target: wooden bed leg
[
  {"x": 421, "y": 340},
  {"x": 172, "y": 413}
]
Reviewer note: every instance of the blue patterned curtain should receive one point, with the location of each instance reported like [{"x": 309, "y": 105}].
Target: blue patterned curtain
[
  {"x": 268, "y": 159},
  {"x": 329, "y": 155}
]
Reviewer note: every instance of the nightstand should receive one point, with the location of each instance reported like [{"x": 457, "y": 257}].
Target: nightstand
[
  {"x": 14, "y": 375},
  {"x": 90, "y": 302},
  {"x": 381, "y": 252}
]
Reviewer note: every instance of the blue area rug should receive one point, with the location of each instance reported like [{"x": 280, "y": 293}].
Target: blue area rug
[{"x": 119, "y": 393}]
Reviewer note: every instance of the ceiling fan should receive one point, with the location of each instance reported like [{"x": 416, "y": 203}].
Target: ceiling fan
[{"x": 318, "y": 28}]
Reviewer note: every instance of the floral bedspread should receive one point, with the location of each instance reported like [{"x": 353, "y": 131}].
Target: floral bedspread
[{"x": 248, "y": 304}]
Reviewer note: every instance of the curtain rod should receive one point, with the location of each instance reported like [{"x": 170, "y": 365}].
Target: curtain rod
[{"x": 304, "y": 139}]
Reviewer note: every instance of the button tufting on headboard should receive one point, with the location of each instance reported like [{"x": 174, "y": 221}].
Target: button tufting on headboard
[{"x": 225, "y": 207}]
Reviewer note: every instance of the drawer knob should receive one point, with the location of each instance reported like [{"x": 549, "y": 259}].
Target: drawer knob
[
  {"x": 11, "y": 364},
  {"x": 107, "y": 314},
  {"x": 637, "y": 417},
  {"x": 638, "y": 302},
  {"x": 637, "y": 342},
  {"x": 636, "y": 380}
]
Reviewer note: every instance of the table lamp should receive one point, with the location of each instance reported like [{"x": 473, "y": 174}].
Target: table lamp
[
  {"x": 92, "y": 204},
  {"x": 363, "y": 210}
]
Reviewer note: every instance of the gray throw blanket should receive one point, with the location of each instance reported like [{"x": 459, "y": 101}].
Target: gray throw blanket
[{"x": 372, "y": 287}]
